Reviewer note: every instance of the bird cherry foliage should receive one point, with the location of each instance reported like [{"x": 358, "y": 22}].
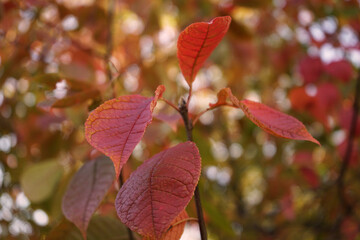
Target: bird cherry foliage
[{"x": 152, "y": 201}]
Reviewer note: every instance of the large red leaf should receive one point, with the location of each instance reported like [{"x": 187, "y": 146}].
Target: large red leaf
[
  {"x": 159, "y": 190},
  {"x": 86, "y": 191},
  {"x": 196, "y": 43},
  {"x": 270, "y": 120},
  {"x": 176, "y": 228},
  {"x": 117, "y": 126}
]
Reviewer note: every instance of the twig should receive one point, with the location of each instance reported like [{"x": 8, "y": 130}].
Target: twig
[
  {"x": 349, "y": 149},
  {"x": 109, "y": 42},
  {"x": 170, "y": 104},
  {"x": 188, "y": 126}
]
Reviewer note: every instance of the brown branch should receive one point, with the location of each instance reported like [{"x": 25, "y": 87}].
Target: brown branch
[
  {"x": 109, "y": 43},
  {"x": 188, "y": 126}
]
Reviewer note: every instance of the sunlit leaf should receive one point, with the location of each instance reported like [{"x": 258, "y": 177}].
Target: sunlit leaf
[
  {"x": 86, "y": 190},
  {"x": 39, "y": 181},
  {"x": 196, "y": 43},
  {"x": 159, "y": 190},
  {"x": 117, "y": 126}
]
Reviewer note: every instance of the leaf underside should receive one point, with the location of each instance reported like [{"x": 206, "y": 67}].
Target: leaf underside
[
  {"x": 159, "y": 190},
  {"x": 270, "y": 120},
  {"x": 86, "y": 191},
  {"x": 117, "y": 126},
  {"x": 196, "y": 43}
]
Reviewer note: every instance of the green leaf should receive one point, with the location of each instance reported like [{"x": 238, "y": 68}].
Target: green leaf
[{"x": 40, "y": 180}]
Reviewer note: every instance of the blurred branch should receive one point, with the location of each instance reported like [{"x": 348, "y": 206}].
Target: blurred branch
[
  {"x": 349, "y": 149},
  {"x": 109, "y": 42}
]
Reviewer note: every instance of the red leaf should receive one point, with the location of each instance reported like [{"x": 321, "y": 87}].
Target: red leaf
[
  {"x": 311, "y": 69},
  {"x": 274, "y": 122},
  {"x": 196, "y": 43},
  {"x": 341, "y": 70},
  {"x": 176, "y": 229},
  {"x": 117, "y": 126},
  {"x": 86, "y": 191},
  {"x": 159, "y": 190},
  {"x": 310, "y": 176},
  {"x": 270, "y": 120}
]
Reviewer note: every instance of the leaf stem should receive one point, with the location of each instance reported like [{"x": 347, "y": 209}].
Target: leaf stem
[
  {"x": 349, "y": 149},
  {"x": 109, "y": 42},
  {"x": 189, "y": 127},
  {"x": 170, "y": 104},
  {"x": 211, "y": 108}
]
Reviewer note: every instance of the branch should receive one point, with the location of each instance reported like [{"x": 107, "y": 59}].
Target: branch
[
  {"x": 109, "y": 42},
  {"x": 349, "y": 149},
  {"x": 189, "y": 126}
]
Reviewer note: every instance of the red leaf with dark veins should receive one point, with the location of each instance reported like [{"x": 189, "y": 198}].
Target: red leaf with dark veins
[
  {"x": 159, "y": 190},
  {"x": 270, "y": 120},
  {"x": 86, "y": 191},
  {"x": 274, "y": 122},
  {"x": 196, "y": 43},
  {"x": 117, "y": 126}
]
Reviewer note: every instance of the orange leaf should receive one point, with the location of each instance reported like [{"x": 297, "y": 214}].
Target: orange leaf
[
  {"x": 117, "y": 126},
  {"x": 196, "y": 43}
]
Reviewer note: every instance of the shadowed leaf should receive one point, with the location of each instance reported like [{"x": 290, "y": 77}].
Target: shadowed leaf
[
  {"x": 86, "y": 190},
  {"x": 117, "y": 126},
  {"x": 159, "y": 190},
  {"x": 196, "y": 43}
]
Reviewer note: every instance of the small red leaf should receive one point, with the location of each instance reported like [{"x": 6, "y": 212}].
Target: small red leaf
[
  {"x": 117, "y": 126},
  {"x": 341, "y": 70},
  {"x": 86, "y": 191},
  {"x": 311, "y": 69},
  {"x": 196, "y": 43},
  {"x": 222, "y": 96},
  {"x": 159, "y": 190},
  {"x": 274, "y": 122},
  {"x": 310, "y": 176}
]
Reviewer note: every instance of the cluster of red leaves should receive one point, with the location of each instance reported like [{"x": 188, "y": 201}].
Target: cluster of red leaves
[{"x": 152, "y": 201}]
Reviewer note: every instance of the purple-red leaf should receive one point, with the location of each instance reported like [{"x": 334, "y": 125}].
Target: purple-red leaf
[
  {"x": 86, "y": 191},
  {"x": 117, "y": 126},
  {"x": 270, "y": 120},
  {"x": 196, "y": 43},
  {"x": 159, "y": 190}
]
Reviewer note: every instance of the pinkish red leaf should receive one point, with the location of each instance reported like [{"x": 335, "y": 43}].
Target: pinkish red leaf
[
  {"x": 310, "y": 176},
  {"x": 196, "y": 43},
  {"x": 311, "y": 69},
  {"x": 274, "y": 122},
  {"x": 86, "y": 191},
  {"x": 270, "y": 120},
  {"x": 117, "y": 126},
  {"x": 341, "y": 70},
  {"x": 159, "y": 190}
]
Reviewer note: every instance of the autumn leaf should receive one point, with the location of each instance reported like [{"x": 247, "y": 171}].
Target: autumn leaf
[
  {"x": 159, "y": 190},
  {"x": 176, "y": 228},
  {"x": 270, "y": 120},
  {"x": 86, "y": 191},
  {"x": 196, "y": 43},
  {"x": 117, "y": 126}
]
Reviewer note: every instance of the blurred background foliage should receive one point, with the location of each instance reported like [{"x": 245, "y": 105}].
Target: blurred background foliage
[{"x": 59, "y": 59}]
